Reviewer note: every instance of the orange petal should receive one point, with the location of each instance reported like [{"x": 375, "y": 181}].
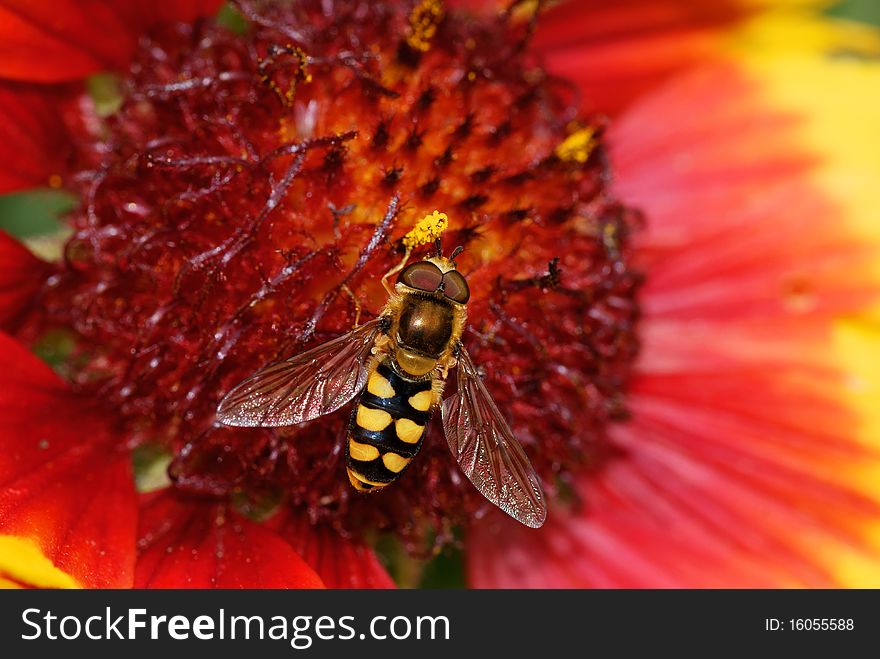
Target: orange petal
[
  {"x": 191, "y": 543},
  {"x": 746, "y": 462},
  {"x": 737, "y": 225},
  {"x": 43, "y": 41},
  {"x": 67, "y": 501}
]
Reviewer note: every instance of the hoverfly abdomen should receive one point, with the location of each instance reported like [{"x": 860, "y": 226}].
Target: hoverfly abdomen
[{"x": 387, "y": 427}]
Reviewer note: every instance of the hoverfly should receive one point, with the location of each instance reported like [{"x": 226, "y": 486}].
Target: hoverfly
[{"x": 398, "y": 364}]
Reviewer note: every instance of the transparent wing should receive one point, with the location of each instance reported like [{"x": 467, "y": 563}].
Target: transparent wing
[
  {"x": 303, "y": 387},
  {"x": 487, "y": 451}
]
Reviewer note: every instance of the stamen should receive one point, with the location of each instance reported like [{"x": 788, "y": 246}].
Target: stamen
[
  {"x": 300, "y": 75},
  {"x": 423, "y": 22},
  {"x": 578, "y": 146},
  {"x": 429, "y": 229}
]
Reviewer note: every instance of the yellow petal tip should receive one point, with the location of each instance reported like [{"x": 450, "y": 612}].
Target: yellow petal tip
[{"x": 23, "y": 562}]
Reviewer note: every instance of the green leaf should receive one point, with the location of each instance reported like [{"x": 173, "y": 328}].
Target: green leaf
[
  {"x": 866, "y": 11},
  {"x": 106, "y": 92},
  {"x": 35, "y": 212},
  {"x": 150, "y": 463},
  {"x": 446, "y": 570},
  {"x": 232, "y": 19}
]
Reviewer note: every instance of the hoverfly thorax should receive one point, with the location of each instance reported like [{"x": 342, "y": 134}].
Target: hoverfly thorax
[
  {"x": 395, "y": 366},
  {"x": 428, "y": 315}
]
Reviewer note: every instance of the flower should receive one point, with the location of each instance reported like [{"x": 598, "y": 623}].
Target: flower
[{"x": 252, "y": 185}]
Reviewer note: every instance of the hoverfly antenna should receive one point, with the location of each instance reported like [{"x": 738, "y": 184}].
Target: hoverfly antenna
[
  {"x": 438, "y": 247},
  {"x": 458, "y": 250}
]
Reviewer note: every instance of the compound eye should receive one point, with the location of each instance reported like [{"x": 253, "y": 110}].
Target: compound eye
[
  {"x": 455, "y": 287},
  {"x": 422, "y": 276}
]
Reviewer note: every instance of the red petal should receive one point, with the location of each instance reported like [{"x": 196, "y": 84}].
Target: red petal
[
  {"x": 190, "y": 543},
  {"x": 341, "y": 563},
  {"x": 21, "y": 276},
  {"x": 616, "y": 50},
  {"x": 741, "y": 465},
  {"x": 43, "y": 41},
  {"x": 33, "y": 138},
  {"x": 63, "y": 483},
  {"x": 737, "y": 225},
  {"x": 152, "y": 13}
]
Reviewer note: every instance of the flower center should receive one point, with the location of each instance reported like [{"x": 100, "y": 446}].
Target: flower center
[{"x": 243, "y": 210}]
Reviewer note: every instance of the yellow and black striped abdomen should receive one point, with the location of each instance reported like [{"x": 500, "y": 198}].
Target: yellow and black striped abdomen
[{"x": 387, "y": 427}]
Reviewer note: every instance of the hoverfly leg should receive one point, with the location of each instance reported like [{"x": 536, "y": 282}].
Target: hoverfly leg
[
  {"x": 389, "y": 288},
  {"x": 452, "y": 362},
  {"x": 357, "y": 305}
]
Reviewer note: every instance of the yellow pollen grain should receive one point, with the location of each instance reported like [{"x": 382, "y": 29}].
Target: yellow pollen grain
[
  {"x": 427, "y": 230},
  {"x": 362, "y": 452},
  {"x": 578, "y": 146},
  {"x": 423, "y": 22},
  {"x": 408, "y": 431},
  {"x": 421, "y": 401},
  {"x": 374, "y": 420},
  {"x": 394, "y": 462},
  {"x": 380, "y": 386},
  {"x": 55, "y": 181}
]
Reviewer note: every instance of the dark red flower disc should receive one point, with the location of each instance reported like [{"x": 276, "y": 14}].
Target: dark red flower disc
[{"x": 243, "y": 194}]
